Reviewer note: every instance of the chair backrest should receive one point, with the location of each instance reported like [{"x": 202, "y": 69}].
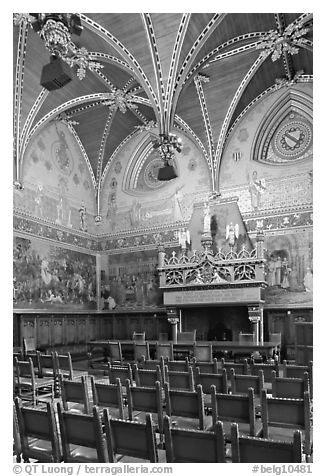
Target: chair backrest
[
  {"x": 130, "y": 438},
  {"x": 239, "y": 367},
  {"x": 147, "y": 378},
  {"x": 205, "y": 367},
  {"x": 179, "y": 380},
  {"x": 114, "y": 351},
  {"x": 146, "y": 399},
  {"x": 29, "y": 345},
  {"x": 63, "y": 364},
  {"x": 189, "y": 336},
  {"x": 165, "y": 350},
  {"x": 248, "y": 449},
  {"x": 245, "y": 338},
  {"x": 184, "y": 403},
  {"x": 206, "y": 380},
  {"x": 203, "y": 352},
  {"x": 47, "y": 365},
  {"x": 234, "y": 408},
  {"x": 74, "y": 391},
  {"x": 178, "y": 365},
  {"x": 289, "y": 387},
  {"x": 266, "y": 368},
  {"x": 287, "y": 413},
  {"x": 297, "y": 371},
  {"x": 39, "y": 424},
  {"x": 108, "y": 395},
  {"x": 122, "y": 373},
  {"x": 141, "y": 349},
  {"x": 24, "y": 369},
  {"x": 138, "y": 336},
  {"x": 151, "y": 364},
  {"x": 241, "y": 383},
  {"x": 194, "y": 446},
  {"x": 83, "y": 431}
]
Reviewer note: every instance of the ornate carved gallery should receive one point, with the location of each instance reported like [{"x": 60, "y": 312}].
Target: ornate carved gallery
[{"x": 163, "y": 213}]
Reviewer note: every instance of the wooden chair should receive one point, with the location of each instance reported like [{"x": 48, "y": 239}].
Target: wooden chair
[
  {"x": 239, "y": 367},
  {"x": 142, "y": 400},
  {"x": 179, "y": 380},
  {"x": 30, "y": 387},
  {"x": 266, "y": 368},
  {"x": 241, "y": 383},
  {"x": 138, "y": 336},
  {"x": 194, "y": 446},
  {"x": 202, "y": 352},
  {"x": 235, "y": 408},
  {"x": 205, "y": 367},
  {"x": 38, "y": 433},
  {"x": 165, "y": 350},
  {"x": 141, "y": 350},
  {"x": 82, "y": 437},
  {"x": 108, "y": 395},
  {"x": 246, "y": 449},
  {"x": 280, "y": 416},
  {"x": 17, "y": 447},
  {"x": 187, "y": 408},
  {"x": 189, "y": 336},
  {"x": 147, "y": 378},
  {"x": 74, "y": 392},
  {"x": 118, "y": 372},
  {"x": 285, "y": 387},
  {"x": 297, "y": 371},
  {"x": 63, "y": 365},
  {"x": 130, "y": 439}
]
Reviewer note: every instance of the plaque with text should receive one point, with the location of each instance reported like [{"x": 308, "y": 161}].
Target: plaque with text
[{"x": 212, "y": 296}]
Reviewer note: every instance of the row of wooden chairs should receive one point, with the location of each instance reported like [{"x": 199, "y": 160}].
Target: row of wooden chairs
[
  {"x": 188, "y": 408},
  {"x": 102, "y": 439}
]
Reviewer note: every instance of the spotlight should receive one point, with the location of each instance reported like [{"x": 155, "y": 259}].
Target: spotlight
[{"x": 55, "y": 75}]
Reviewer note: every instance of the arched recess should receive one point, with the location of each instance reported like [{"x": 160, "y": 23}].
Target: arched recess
[
  {"x": 143, "y": 158},
  {"x": 287, "y": 126}
]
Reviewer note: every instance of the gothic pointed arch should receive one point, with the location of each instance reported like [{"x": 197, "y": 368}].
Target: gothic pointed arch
[{"x": 285, "y": 134}]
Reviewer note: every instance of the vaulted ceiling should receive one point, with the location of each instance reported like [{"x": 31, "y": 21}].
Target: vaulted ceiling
[{"x": 196, "y": 72}]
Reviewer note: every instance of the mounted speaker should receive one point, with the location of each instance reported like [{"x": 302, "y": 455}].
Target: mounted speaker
[
  {"x": 166, "y": 173},
  {"x": 56, "y": 74}
]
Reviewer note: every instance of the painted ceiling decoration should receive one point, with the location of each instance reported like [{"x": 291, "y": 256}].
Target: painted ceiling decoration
[{"x": 190, "y": 74}]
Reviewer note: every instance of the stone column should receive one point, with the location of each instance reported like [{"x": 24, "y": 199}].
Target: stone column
[
  {"x": 173, "y": 320},
  {"x": 160, "y": 266},
  {"x": 254, "y": 318}
]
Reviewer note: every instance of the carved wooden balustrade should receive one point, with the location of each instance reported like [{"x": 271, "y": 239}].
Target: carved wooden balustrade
[{"x": 201, "y": 268}]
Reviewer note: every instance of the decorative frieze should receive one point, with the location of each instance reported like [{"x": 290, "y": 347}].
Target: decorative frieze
[{"x": 280, "y": 222}]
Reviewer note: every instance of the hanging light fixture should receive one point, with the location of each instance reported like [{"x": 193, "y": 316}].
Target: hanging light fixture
[
  {"x": 167, "y": 145},
  {"x": 56, "y": 29}
]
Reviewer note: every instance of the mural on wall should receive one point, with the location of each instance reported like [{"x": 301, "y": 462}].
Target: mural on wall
[
  {"x": 134, "y": 198},
  {"x": 50, "y": 277},
  {"x": 130, "y": 280},
  {"x": 57, "y": 182},
  {"x": 289, "y": 271}
]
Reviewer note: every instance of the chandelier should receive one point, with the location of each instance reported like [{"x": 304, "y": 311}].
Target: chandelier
[
  {"x": 287, "y": 42},
  {"x": 167, "y": 144},
  {"x": 56, "y": 30}
]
